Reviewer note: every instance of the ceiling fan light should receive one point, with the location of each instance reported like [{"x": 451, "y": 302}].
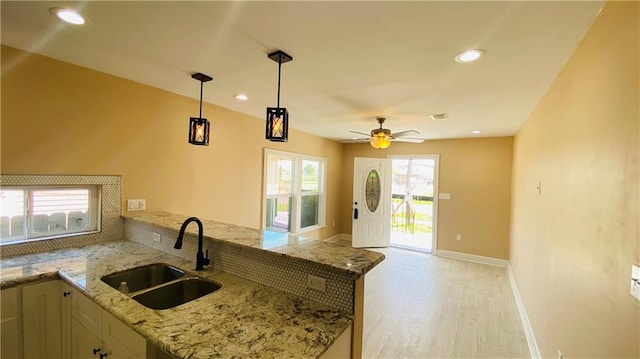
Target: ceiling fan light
[{"x": 380, "y": 142}]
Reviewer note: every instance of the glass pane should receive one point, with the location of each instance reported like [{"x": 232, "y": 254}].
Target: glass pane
[
  {"x": 60, "y": 210},
  {"x": 278, "y": 213},
  {"x": 421, "y": 179},
  {"x": 279, "y": 174},
  {"x": 372, "y": 190},
  {"x": 12, "y": 213},
  {"x": 309, "y": 211},
  {"x": 310, "y": 176}
]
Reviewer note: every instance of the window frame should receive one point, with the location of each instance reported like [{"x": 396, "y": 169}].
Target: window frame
[
  {"x": 296, "y": 190},
  {"x": 94, "y": 213}
]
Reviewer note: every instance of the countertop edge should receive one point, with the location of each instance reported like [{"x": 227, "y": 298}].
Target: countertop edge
[{"x": 353, "y": 273}]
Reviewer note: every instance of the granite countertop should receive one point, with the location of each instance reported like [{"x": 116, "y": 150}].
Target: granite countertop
[
  {"x": 353, "y": 261},
  {"x": 242, "y": 319}
]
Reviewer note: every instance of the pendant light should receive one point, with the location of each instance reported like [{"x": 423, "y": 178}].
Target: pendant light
[
  {"x": 277, "y": 117},
  {"x": 198, "y": 126}
]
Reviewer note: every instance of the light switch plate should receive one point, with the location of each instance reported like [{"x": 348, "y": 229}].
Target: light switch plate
[{"x": 635, "y": 281}]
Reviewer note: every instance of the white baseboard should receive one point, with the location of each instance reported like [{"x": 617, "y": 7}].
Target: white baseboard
[
  {"x": 526, "y": 325},
  {"x": 339, "y": 237},
  {"x": 473, "y": 258}
]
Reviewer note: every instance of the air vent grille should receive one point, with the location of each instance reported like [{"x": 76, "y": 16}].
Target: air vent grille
[{"x": 439, "y": 116}]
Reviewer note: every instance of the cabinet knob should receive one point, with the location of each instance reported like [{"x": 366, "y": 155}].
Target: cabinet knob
[
  {"x": 102, "y": 356},
  {"x": 65, "y": 294},
  {"x": 95, "y": 351}
]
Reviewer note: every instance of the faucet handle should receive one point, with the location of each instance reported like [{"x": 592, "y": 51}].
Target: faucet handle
[{"x": 206, "y": 259}]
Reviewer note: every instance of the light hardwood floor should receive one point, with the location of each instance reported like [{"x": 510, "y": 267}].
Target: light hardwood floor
[{"x": 423, "y": 306}]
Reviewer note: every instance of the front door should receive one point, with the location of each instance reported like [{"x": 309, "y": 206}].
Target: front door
[{"x": 371, "y": 210}]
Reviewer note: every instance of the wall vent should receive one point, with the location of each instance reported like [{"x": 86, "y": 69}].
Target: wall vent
[{"x": 439, "y": 116}]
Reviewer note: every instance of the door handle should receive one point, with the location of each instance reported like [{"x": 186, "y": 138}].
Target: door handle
[{"x": 355, "y": 212}]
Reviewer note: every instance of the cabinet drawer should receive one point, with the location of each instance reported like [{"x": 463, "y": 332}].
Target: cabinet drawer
[
  {"x": 88, "y": 313},
  {"x": 116, "y": 334}
]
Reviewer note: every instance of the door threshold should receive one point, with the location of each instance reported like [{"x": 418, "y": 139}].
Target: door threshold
[{"x": 415, "y": 249}]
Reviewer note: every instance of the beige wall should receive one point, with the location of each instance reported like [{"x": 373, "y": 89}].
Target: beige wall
[
  {"x": 58, "y": 118},
  {"x": 572, "y": 246},
  {"x": 477, "y": 173}
]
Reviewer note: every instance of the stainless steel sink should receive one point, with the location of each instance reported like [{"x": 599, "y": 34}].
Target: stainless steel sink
[
  {"x": 144, "y": 277},
  {"x": 176, "y": 293},
  {"x": 161, "y": 286}
]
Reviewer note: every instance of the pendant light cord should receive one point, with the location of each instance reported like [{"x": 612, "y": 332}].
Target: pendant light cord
[
  {"x": 279, "y": 67},
  {"x": 201, "y": 84}
]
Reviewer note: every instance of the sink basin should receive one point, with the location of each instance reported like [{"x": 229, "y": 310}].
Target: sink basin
[
  {"x": 176, "y": 293},
  {"x": 144, "y": 277}
]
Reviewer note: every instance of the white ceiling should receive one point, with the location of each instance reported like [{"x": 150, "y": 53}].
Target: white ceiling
[{"x": 353, "y": 61}]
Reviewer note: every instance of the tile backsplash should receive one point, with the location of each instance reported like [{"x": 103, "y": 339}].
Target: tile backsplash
[
  {"x": 271, "y": 269},
  {"x": 112, "y": 227}
]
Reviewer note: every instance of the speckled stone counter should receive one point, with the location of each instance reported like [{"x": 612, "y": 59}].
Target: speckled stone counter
[
  {"x": 243, "y": 319},
  {"x": 353, "y": 261}
]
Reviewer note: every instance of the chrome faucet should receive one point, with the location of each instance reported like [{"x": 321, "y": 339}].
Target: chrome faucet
[{"x": 201, "y": 259}]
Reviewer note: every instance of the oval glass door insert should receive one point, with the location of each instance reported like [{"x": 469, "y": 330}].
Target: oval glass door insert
[{"x": 372, "y": 190}]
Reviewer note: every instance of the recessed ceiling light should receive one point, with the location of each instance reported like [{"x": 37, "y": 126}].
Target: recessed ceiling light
[
  {"x": 469, "y": 55},
  {"x": 241, "y": 97},
  {"x": 354, "y": 138},
  {"x": 476, "y": 132},
  {"x": 68, "y": 15}
]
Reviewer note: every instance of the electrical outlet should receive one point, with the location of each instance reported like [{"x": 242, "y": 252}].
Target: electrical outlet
[
  {"x": 458, "y": 237},
  {"x": 635, "y": 281},
  {"x": 136, "y": 205},
  {"x": 316, "y": 283},
  {"x": 157, "y": 237}
]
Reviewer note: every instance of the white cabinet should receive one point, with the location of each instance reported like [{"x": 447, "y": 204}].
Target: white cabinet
[
  {"x": 341, "y": 348},
  {"x": 84, "y": 344},
  {"x": 96, "y": 333},
  {"x": 66, "y": 319},
  {"x": 10, "y": 329},
  {"x": 42, "y": 320}
]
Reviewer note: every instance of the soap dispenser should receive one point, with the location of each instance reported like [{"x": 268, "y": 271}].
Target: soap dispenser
[{"x": 123, "y": 287}]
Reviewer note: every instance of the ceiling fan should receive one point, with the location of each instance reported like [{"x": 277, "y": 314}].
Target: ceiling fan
[{"x": 382, "y": 137}]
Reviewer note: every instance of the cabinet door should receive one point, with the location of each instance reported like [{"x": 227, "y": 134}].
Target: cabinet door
[
  {"x": 42, "y": 320},
  {"x": 120, "y": 341},
  {"x": 10, "y": 337},
  {"x": 66, "y": 319},
  {"x": 87, "y": 312},
  {"x": 83, "y": 343}
]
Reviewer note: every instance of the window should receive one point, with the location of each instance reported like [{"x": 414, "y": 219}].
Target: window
[
  {"x": 294, "y": 191},
  {"x": 34, "y": 212}
]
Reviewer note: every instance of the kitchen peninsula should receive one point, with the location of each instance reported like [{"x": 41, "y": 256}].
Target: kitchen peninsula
[{"x": 264, "y": 307}]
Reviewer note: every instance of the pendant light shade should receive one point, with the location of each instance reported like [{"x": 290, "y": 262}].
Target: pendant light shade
[
  {"x": 277, "y": 128},
  {"x": 199, "y": 131},
  {"x": 198, "y": 126},
  {"x": 277, "y": 124}
]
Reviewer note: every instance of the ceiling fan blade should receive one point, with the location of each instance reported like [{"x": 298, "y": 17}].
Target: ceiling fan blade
[
  {"x": 409, "y": 140},
  {"x": 357, "y": 140},
  {"x": 405, "y": 133},
  {"x": 361, "y": 133}
]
